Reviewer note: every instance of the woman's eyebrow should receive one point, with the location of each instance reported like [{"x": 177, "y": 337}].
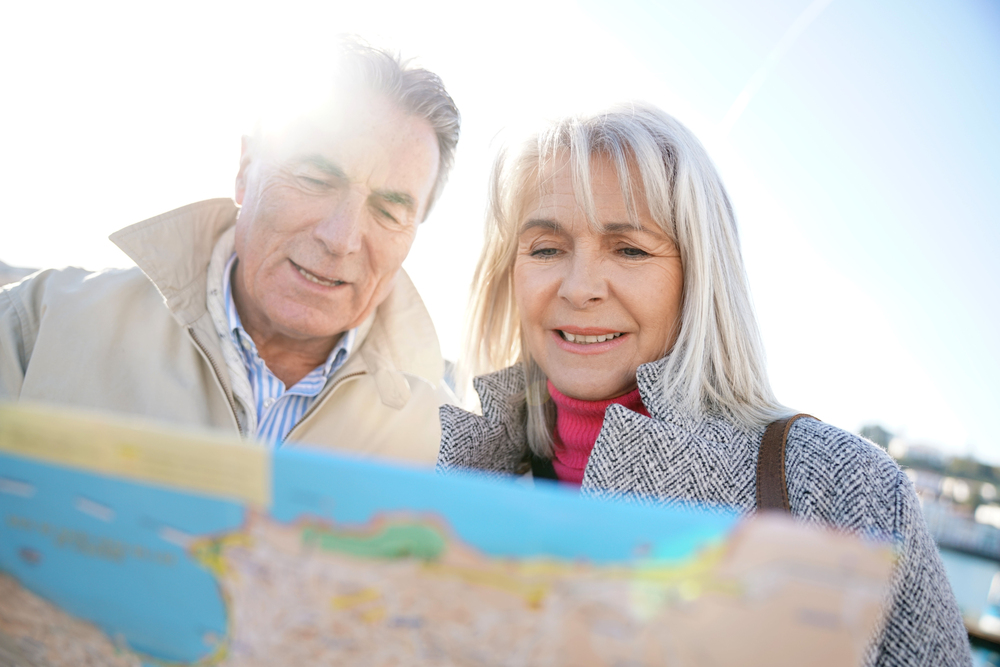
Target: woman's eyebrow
[
  {"x": 621, "y": 227},
  {"x": 607, "y": 228},
  {"x": 541, "y": 223}
]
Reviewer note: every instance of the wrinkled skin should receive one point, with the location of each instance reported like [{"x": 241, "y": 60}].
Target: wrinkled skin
[
  {"x": 329, "y": 210},
  {"x": 569, "y": 278}
]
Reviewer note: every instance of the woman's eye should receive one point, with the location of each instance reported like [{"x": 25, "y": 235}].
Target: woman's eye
[
  {"x": 629, "y": 251},
  {"x": 544, "y": 252}
]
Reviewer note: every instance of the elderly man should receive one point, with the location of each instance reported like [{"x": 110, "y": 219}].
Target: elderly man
[{"x": 287, "y": 318}]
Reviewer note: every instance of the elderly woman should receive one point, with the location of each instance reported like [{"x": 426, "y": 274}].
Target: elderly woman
[{"x": 612, "y": 294}]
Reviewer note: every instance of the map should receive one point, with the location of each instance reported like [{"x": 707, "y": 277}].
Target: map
[{"x": 125, "y": 543}]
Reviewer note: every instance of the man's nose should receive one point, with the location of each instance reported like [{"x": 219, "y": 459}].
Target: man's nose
[
  {"x": 584, "y": 283},
  {"x": 342, "y": 229}
]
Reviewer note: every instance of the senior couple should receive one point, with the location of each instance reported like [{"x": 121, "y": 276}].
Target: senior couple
[{"x": 612, "y": 328}]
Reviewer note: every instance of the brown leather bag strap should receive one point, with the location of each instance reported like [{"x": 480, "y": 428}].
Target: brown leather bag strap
[{"x": 772, "y": 489}]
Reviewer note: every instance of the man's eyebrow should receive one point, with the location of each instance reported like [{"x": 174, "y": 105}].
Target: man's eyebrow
[
  {"x": 327, "y": 167},
  {"x": 394, "y": 197},
  {"x": 324, "y": 165}
]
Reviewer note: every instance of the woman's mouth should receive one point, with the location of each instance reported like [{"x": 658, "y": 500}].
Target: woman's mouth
[{"x": 587, "y": 340}]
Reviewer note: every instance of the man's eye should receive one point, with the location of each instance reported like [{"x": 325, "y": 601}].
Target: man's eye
[
  {"x": 314, "y": 182},
  {"x": 386, "y": 215}
]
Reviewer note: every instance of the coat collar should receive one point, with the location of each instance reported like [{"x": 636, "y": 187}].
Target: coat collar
[
  {"x": 498, "y": 391},
  {"x": 402, "y": 338},
  {"x": 174, "y": 250},
  {"x": 667, "y": 405}
]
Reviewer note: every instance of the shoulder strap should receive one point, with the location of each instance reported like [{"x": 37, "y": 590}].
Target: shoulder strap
[
  {"x": 772, "y": 489},
  {"x": 542, "y": 468}
]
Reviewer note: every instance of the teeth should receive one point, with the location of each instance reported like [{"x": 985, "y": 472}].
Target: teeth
[
  {"x": 319, "y": 281},
  {"x": 587, "y": 340}
]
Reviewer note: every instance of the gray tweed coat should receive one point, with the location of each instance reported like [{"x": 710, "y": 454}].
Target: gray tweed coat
[{"x": 674, "y": 456}]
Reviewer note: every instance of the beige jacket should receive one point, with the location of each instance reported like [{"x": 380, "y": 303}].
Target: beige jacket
[
  {"x": 141, "y": 341},
  {"x": 12, "y": 274}
]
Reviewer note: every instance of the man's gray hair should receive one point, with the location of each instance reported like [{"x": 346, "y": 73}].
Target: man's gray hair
[
  {"x": 717, "y": 362},
  {"x": 416, "y": 91}
]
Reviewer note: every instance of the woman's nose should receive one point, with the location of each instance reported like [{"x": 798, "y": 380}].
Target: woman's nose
[{"x": 584, "y": 283}]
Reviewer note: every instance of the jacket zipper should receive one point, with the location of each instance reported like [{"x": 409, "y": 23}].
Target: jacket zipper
[
  {"x": 315, "y": 406},
  {"x": 218, "y": 377}
]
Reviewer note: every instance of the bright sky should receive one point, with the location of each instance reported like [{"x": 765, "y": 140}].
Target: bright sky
[{"x": 859, "y": 142}]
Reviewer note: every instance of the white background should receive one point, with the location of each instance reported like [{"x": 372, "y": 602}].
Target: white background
[{"x": 859, "y": 144}]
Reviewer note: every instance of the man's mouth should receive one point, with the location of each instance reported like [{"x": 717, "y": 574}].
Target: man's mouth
[
  {"x": 316, "y": 279},
  {"x": 587, "y": 340}
]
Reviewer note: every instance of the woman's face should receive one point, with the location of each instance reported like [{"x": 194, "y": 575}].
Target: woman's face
[{"x": 594, "y": 305}]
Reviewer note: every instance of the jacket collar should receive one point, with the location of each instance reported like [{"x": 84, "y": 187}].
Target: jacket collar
[
  {"x": 174, "y": 250},
  {"x": 669, "y": 406},
  {"x": 662, "y": 404},
  {"x": 402, "y": 339},
  {"x": 496, "y": 391}
]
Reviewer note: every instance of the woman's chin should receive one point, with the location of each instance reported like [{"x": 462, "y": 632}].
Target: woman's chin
[{"x": 592, "y": 389}]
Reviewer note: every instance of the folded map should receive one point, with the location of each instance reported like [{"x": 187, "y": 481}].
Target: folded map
[{"x": 129, "y": 543}]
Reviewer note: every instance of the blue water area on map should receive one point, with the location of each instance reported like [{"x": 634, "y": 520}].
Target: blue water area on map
[
  {"x": 500, "y": 518},
  {"x": 95, "y": 546}
]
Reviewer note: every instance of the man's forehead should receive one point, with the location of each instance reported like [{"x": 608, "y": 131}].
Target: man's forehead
[
  {"x": 368, "y": 139},
  {"x": 335, "y": 117},
  {"x": 372, "y": 124}
]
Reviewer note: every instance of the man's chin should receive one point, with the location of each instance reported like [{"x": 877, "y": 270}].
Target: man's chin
[
  {"x": 314, "y": 331},
  {"x": 304, "y": 317},
  {"x": 312, "y": 323}
]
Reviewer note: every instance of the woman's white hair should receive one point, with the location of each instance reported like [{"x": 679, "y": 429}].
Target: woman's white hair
[{"x": 717, "y": 362}]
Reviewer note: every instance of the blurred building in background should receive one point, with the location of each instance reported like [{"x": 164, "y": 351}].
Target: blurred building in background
[{"x": 959, "y": 497}]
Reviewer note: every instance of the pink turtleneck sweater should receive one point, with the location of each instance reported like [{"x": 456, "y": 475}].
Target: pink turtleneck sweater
[{"x": 578, "y": 424}]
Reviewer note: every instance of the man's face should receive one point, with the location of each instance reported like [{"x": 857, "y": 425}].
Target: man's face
[{"x": 329, "y": 211}]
